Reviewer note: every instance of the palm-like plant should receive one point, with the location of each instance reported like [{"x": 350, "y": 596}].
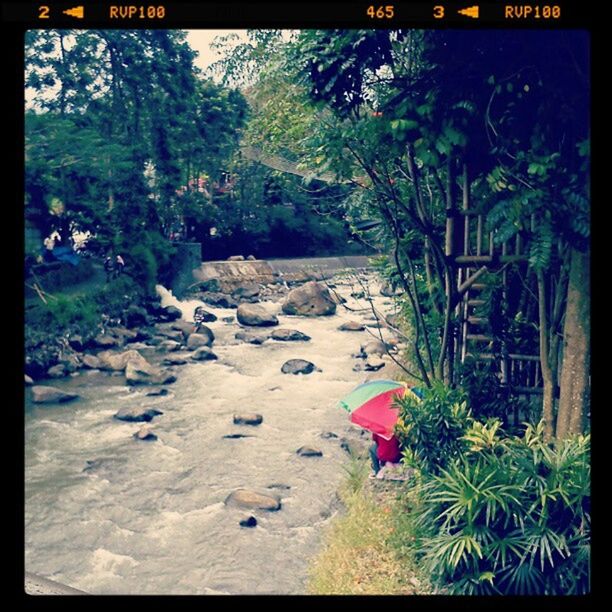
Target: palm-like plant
[{"x": 511, "y": 516}]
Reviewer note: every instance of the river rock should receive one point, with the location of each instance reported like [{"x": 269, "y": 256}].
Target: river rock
[
  {"x": 311, "y": 299},
  {"x": 111, "y": 360},
  {"x": 172, "y": 313},
  {"x": 250, "y": 337},
  {"x": 248, "y": 419},
  {"x": 203, "y": 315},
  {"x": 219, "y": 300},
  {"x": 251, "y": 258},
  {"x": 127, "y": 335},
  {"x": 251, "y": 521},
  {"x": 289, "y": 335},
  {"x": 28, "y": 380},
  {"x": 352, "y": 326},
  {"x": 141, "y": 372},
  {"x": 375, "y": 347},
  {"x": 136, "y": 415},
  {"x": 90, "y": 362},
  {"x": 236, "y": 436},
  {"x": 57, "y": 371},
  {"x": 203, "y": 354},
  {"x": 309, "y": 451},
  {"x": 235, "y": 258},
  {"x": 106, "y": 342},
  {"x": 169, "y": 334},
  {"x": 196, "y": 341},
  {"x": 298, "y": 366},
  {"x": 204, "y": 330},
  {"x": 358, "y": 295},
  {"x": 51, "y": 395},
  {"x": 255, "y": 315},
  {"x": 174, "y": 360},
  {"x": 145, "y": 433},
  {"x": 247, "y": 290},
  {"x": 168, "y": 346},
  {"x": 279, "y": 485},
  {"x": 157, "y": 392},
  {"x": 373, "y": 364},
  {"x": 247, "y": 498},
  {"x": 185, "y": 327},
  {"x": 135, "y": 316}
]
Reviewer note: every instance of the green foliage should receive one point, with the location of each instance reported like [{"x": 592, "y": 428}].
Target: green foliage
[
  {"x": 511, "y": 516},
  {"x": 62, "y": 312},
  {"x": 431, "y": 429},
  {"x": 143, "y": 266}
]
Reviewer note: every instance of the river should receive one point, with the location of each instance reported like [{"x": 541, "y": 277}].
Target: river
[{"x": 149, "y": 517}]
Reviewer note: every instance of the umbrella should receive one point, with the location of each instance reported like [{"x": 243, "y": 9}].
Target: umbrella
[
  {"x": 361, "y": 394},
  {"x": 371, "y": 405}
]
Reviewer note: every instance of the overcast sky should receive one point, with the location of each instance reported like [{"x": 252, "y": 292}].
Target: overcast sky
[{"x": 200, "y": 40}]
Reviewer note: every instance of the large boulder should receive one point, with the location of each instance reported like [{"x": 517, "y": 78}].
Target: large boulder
[
  {"x": 255, "y": 315},
  {"x": 51, "y": 395},
  {"x": 298, "y": 366},
  {"x": 184, "y": 327},
  {"x": 288, "y": 335},
  {"x": 247, "y": 498},
  {"x": 205, "y": 332},
  {"x": 136, "y": 415},
  {"x": 245, "y": 291},
  {"x": 171, "y": 313},
  {"x": 311, "y": 299},
  {"x": 141, "y": 372},
  {"x": 196, "y": 341},
  {"x": 219, "y": 300},
  {"x": 111, "y": 360}
]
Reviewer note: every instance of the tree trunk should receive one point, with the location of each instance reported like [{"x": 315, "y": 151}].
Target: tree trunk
[
  {"x": 575, "y": 372},
  {"x": 547, "y": 377}
]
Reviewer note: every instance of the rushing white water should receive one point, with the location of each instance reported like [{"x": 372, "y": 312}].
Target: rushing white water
[{"x": 149, "y": 518}]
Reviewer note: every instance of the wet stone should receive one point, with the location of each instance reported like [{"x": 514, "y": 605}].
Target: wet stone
[
  {"x": 309, "y": 451},
  {"x": 248, "y": 419},
  {"x": 137, "y": 414},
  {"x": 298, "y": 366},
  {"x": 251, "y": 521},
  {"x": 146, "y": 434},
  {"x": 247, "y": 498}
]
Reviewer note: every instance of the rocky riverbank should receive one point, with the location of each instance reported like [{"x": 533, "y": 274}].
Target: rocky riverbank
[{"x": 253, "y": 377}]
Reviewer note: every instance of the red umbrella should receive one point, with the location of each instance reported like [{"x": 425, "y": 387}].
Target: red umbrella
[{"x": 378, "y": 414}]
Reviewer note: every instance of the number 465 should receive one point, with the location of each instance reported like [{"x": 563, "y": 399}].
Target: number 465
[{"x": 382, "y": 12}]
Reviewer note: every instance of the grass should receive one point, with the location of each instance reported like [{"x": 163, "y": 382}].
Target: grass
[{"x": 368, "y": 550}]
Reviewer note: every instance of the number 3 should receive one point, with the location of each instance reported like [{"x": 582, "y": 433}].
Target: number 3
[{"x": 438, "y": 12}]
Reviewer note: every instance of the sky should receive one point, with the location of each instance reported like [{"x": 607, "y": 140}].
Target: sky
[{"x": 199, "y": 40}]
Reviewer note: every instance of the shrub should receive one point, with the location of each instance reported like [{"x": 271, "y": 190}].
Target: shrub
[
  {"x": 511, "y": 516},
  {"x": 431, "y": 429},
  {"x": 142, "y": 267}
]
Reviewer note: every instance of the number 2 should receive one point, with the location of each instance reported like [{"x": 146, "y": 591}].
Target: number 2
[{"x": 43, "y": 12}]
